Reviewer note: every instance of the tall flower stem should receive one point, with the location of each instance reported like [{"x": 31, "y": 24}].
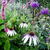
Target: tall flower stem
[{"x": 34, "y": 12}]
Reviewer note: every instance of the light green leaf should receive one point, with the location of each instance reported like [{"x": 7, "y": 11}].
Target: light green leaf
[
  {"x": 1, "y": 27},
  {"x": 7, "y": 45}
]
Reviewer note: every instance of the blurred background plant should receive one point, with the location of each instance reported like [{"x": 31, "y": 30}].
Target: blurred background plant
[{"x": 23, "y": 17}]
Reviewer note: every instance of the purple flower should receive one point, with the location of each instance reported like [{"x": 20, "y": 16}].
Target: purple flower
[
  {"x": 44, "y": 11},
  {"x": 4, "y": 3},
  {"x": 34, "y": 4}
]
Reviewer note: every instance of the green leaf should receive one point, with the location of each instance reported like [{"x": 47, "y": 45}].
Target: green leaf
[
  {"x": 1, "y": 21},
  {"x": 13, "y": 47},
  {"x": 2, "y": 34},
  {"x": 0, "y": 43},
  {"x": 7, "y": 45},
  {"x": 1, "y": 27}
]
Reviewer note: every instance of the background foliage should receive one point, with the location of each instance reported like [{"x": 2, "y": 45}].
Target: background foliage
[{"x": 15, "y": 14}]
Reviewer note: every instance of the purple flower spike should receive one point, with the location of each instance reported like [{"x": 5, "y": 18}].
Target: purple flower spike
[
  {"x": 34, "y": 4},
  {"x": 3, "y": 14},
  {"x": 4, "y": 3},
  {"x": 44, "y": 11}
]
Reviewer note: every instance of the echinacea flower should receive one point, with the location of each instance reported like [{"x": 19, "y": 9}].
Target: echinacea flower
[
  {"x": 10, "y": 32},
  {"x": 33, "y": 39},
  {"x": 23, "y": 25},
  {"x": 4, "y": 3},
  {"x": 34, "y": 4},
  {"x": 44, "y": 11}
]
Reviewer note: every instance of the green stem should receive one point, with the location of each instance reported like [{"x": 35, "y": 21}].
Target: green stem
[{"x": 34, "y": 12}]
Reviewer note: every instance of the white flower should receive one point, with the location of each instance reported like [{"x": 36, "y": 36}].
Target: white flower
[
  {"x": 33, "y": 39},
  {"x": 23, "y": 25},
  {"x": 10, "y": 32}
]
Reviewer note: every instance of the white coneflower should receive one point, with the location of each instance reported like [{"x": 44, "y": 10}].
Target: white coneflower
[
  {"x": 10, "y": 32},
  {"x": 23, "y": 25},
  {"x": 33, "y": 39}
]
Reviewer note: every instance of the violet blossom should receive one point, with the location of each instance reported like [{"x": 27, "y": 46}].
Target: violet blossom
[
  {"x": 34, "y": 4},
  {"x": 44, "y": 11}
]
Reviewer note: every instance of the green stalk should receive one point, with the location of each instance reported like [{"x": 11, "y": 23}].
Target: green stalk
[{"x": 34, "y": 12}]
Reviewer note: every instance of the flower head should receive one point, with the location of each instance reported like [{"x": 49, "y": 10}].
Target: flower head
[
  {"x": 33, "y": 39},
  {"x": 44, "y": 11},
  {"x": 34, "y": 4},
  {"x": 10, "y": 32},
  {"x": 4, "y": 3},
  {"x": 23, "y": 25}
]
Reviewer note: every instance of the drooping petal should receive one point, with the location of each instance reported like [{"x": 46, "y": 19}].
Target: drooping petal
[
  {"x": 25, "y": 25},
  {"x": 21, "y": 25},
  {"x": 26, "y": 39},
  {"x": 14, "y": 32},
  {"x": 34, "y": 41},
  {"x": 30, "y": 41},
  {"x": 26, "y": 36}
]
